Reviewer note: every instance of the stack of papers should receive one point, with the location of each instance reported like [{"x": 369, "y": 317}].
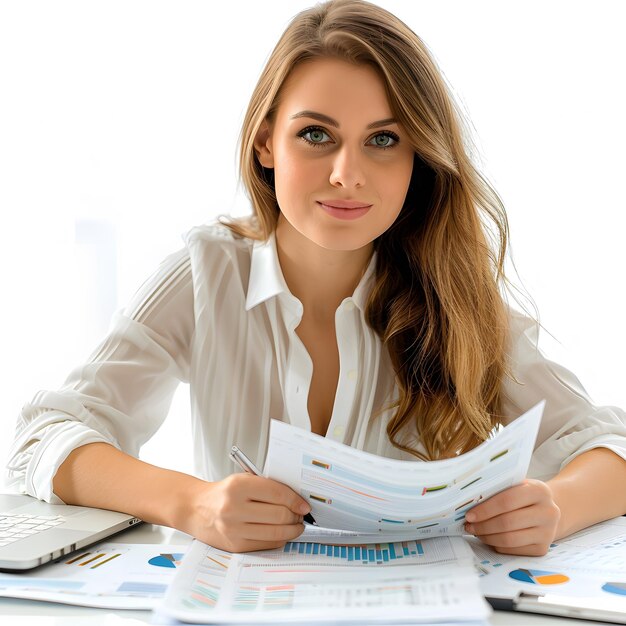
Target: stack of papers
[{"x": 404, "y": 582}]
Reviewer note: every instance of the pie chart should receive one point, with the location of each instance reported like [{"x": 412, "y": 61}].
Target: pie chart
[
  {"x": 166, "y": 560},
  {"x": 617, "y": 588},
  {"x": 538, "y": 577}
]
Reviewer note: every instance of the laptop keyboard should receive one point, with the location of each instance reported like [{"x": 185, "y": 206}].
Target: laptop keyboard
[{"x": 15, "y": 527}]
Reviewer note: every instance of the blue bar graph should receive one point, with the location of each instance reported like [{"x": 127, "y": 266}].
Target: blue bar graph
[{"x": 373, "y": 553}]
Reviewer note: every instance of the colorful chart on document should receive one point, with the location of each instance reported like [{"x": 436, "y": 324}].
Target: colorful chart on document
[
  {"x": 538, "y": 577},
  {"x": 166, "y": 560},
  {"x": 616, "y": 588},
  {"x": 95, "y": 559},
  {"x": 374, "y": 553}
]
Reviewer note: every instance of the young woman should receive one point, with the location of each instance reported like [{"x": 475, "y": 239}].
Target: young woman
[{"x": 362, "y": 300}]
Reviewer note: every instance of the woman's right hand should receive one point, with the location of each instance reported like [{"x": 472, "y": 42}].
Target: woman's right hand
[{"x": 243, "y": 513}]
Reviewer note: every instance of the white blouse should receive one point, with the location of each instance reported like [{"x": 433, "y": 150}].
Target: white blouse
[{"x": 218, "y": 314}]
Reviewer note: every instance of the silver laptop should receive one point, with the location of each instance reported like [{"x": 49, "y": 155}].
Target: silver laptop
[{"x": 33, "y": 532}]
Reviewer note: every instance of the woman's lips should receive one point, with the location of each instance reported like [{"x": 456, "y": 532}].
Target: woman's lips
[
  {"x": 344, "y": 209},
  {"x": 345, "y": 204}
]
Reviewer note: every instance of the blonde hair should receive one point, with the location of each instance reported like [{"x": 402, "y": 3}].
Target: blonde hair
[{"x": 436, "y": 303}]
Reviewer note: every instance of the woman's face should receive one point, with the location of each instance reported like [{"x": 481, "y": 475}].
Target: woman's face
[{"x": 341, "y": 164}]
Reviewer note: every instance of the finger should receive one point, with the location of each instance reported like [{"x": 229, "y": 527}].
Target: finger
[
  {"x": 271, "y": 532},
  {"x": 516, "y": 539},
  {"x": 508, "y": 500},
  {"x": 519, "y": 519},
  {"x": 272, "y": 491},
  {"x": 265, "y": 513}
]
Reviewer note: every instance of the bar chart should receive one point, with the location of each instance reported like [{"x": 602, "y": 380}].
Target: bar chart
[{"x": 373, "y": 553}]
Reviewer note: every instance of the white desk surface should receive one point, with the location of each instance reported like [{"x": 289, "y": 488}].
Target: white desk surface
[{"x": 14, "y": 612}]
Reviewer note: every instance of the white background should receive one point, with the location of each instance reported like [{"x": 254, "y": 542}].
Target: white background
[{"x": 118, "y": 130}]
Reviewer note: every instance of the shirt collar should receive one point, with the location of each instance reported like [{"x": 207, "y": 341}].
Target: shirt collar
[{"x": 267, "y": 280}]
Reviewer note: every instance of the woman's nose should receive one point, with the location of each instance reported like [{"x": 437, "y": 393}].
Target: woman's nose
[{"x": 347, "y": 169}]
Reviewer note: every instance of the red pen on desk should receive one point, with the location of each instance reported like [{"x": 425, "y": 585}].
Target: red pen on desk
[{"x": 248, "y": 466}]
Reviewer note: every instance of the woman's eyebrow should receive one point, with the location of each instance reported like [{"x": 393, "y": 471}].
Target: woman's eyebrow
[{"x": 331, "y": 122}]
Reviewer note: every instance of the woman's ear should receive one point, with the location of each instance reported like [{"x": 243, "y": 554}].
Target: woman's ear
[{"x": 263, "y": 145}]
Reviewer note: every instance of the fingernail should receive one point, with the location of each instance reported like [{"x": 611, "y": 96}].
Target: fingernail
[
  {"x": 470, "y": 517},
  {"x": 304, "y": 508},
  {"x": 469, "y": 528}
]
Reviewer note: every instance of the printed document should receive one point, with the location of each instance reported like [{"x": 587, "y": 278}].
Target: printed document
[
  {"x": 368, "y": 498},
  {"x": 588, "y": 567},
  {"x": 410, "y": 581},
  {"x": 106, "y": 575}
]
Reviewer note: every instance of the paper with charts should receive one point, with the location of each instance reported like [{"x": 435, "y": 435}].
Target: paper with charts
[
  {"x": 410, "y": 581},
  {"x": 106, "y": 575},
  {"x": 366, "y": 497},
  {"x": 587, "y": 568}
]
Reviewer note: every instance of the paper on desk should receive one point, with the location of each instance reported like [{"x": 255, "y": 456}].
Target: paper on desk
[
  {"x": 161, "y": 618},
  {"x": 386, "y": 499},
  {"x": 590, "y": 564},
  {"x": 411, "y": 581},
  {"x": 106, "y": 575}
]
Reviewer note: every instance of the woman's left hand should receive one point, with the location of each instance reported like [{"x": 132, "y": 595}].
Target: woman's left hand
[{"x": 520, "y": 520}]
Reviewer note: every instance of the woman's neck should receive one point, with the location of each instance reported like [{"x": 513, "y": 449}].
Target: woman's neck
[{"x": 318, "y": 277}]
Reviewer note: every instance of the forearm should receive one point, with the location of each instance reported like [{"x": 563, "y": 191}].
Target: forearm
[
  {"x": 590, "y": 489},
  {"x": 101, "y": 476}
]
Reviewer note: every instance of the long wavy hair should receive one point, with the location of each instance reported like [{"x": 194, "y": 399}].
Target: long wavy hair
[{"x": 436, "y": 303}]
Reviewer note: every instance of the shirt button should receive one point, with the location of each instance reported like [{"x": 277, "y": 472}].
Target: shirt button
[
  {"x": 352, "y": 375},
  {"x": 338, "y": 431},
  {"x": 349, "y": 306}
]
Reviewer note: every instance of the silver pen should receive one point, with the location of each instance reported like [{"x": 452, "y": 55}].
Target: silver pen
[
  {"x": 248, "y": 466},
  {"x": 243, "y": 461}
]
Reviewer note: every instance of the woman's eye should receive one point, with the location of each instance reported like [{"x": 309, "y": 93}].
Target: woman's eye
[
  {"x": 384, "y": 140},
  {"x": 315, "y": 136}
]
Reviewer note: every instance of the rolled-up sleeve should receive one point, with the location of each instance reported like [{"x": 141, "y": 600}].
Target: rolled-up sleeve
[
  {"x": 571, "y": 423},
  {"x": 122, "y": 394}
]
